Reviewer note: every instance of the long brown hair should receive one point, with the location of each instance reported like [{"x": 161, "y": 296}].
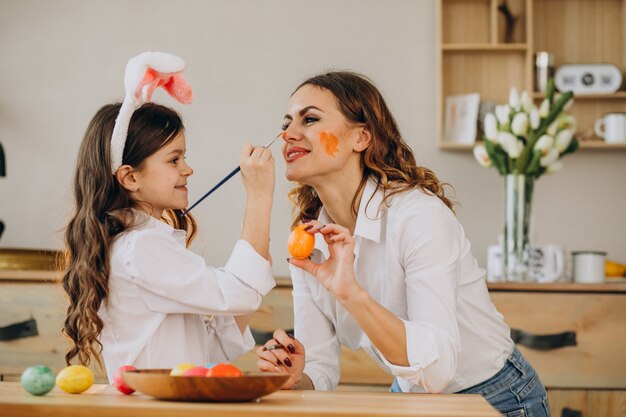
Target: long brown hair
[
  {"x": 388, "y": 159},
  {"x": 102, "y": 211}
]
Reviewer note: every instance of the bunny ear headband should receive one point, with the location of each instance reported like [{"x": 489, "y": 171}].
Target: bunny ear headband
[{"x": 145, "y": 73}]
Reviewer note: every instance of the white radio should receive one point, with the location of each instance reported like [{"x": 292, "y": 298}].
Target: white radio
[{"x": 588, "y": 78}]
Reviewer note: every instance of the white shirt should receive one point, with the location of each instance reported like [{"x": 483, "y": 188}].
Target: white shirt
[
  {"x": 160, "y": 294},
  {"x": 413, "y": 259}
]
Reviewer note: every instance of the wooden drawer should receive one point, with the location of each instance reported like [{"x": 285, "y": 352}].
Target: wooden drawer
[
  {"x": 45, "y": 303},
  {"x": 590, "y": 403},
  {"x": 276, "y": 312},
  {"x": 599, "y": 320}
]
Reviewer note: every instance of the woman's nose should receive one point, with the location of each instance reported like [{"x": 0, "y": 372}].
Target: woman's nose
[{"x": 291, "y": 134}]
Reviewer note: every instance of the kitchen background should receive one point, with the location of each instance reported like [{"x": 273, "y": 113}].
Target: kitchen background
[{"x": 62, "y": 60}]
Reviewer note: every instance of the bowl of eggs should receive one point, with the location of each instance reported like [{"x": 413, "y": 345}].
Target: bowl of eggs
[{"x": 214, "y": 382}]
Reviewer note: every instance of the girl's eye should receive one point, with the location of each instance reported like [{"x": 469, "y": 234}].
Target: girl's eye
[{"x": 174, "y": 161}]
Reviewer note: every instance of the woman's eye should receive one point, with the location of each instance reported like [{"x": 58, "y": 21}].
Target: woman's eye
[
  {"x": 310, "y": 119},
  {"x": 284, "y": 126}
]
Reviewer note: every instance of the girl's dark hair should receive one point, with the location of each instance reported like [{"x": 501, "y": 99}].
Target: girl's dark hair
[
  {"x": 102, "y": 211},
  {"x": 388, "y": 159}
]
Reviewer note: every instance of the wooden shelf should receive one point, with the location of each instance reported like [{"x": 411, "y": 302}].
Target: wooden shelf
[
  {"x": 484, "y": 47},
  {"x": 584, "y": 145},
  {"x": 476, "y": 56},
  {"x": 614, "y": 286},
  {"x": 620, "y": 95}
]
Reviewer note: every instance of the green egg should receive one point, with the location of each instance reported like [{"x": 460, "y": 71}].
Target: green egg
[{"x": 38, "y": 379}]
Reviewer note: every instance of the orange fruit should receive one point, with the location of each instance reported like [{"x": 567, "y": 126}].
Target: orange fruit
[{"x": 301, "y": 242}]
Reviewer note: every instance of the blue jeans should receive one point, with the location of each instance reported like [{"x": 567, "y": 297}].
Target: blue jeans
[{"x": 514, "y": 391}]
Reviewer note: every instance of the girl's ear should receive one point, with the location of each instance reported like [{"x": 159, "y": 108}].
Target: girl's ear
[
  {"x": 126, "y": 177},
  {"x": 363, "y": 140}
]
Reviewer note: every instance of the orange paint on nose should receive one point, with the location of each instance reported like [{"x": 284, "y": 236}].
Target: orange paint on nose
[
  {"x": 283, "y": 135},
  {"x": 330, "y": 142}
]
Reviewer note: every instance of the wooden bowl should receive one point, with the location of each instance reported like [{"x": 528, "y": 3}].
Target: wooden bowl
[{"x": 159, "y": 384}]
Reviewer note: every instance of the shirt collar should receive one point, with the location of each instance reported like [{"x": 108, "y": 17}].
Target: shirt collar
[
  {"x": 147, "y": 221},
  {"x": 368, "y": 221}
]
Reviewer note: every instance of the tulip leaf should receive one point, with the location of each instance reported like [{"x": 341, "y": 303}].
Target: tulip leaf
[
  {"x": 496, "y": 154},
  {"x": 533, "y": 167}
]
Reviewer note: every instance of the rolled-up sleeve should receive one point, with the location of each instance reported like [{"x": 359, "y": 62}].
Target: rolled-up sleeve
[
  {"x": 226, "y": 342},
  {"x": 173, "y": 279},
  {"x": 317, "y": 333},
  {"x": 428, "y": 247}
]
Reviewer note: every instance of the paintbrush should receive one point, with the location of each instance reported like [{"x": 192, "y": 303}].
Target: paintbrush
[
  {"x": 226, "y": 178},
  {"x": 273, "y": 347}
]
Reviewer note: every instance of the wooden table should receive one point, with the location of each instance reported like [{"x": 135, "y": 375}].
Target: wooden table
[{"x": 105, "y": 401}]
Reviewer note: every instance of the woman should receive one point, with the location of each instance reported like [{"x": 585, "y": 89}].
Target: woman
[{"x": 392, "y": 272}]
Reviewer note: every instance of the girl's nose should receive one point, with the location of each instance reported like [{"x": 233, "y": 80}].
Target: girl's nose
[{"x": 187, "y": 169}]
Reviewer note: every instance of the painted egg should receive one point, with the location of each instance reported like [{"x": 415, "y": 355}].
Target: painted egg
[
  {"x": 300, "y": 242},
  {"x": 224, "y": 370},
  {"x": 210, "y": 365},
  {"x": 195, "y": 371},
  {"x": 119, "y": 382},
  {"x": 181, "y": 368},
  {"x": 38, "y": 379},
  {"x": 75, "y": 379}
]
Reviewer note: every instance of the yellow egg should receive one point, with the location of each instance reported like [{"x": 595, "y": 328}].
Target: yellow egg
[
  {"x": 75, "y": 379},
  {"x": 180, "y": 368}
]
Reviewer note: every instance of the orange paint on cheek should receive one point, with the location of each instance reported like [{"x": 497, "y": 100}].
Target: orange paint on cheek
[{"x": 330, "y": 143}]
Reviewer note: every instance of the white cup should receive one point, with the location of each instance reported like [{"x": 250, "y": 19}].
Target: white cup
[
  {"x": 546, "y": 263},
  {"x": 612, "y": 127},
  {"x": 589, "y": 266}
]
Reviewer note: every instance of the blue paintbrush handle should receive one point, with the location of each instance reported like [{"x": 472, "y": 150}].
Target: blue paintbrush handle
[
  {"x": 226, "y": 178},
  {"x": 219, "y": 184}
]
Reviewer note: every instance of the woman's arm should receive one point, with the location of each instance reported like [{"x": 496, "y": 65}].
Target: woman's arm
[
  {"x": 384, "y": 329},
  {"x": 318, "y": 368},
  {"x": 422, "y": 349}
]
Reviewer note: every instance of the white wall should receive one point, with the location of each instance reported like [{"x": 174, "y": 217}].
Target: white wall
[{"x": 61, "y": 60}]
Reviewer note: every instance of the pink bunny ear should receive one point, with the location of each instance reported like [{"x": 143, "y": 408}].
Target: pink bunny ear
[
  {"x": 174, "y": 84},
  {"x": 145, "y": 73}
]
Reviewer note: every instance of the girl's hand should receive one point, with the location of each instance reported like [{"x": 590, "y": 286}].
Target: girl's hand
[
  {"x": 285, "y": 354},
  {"x": 336, "y": 274},
  {"x": 257, "y": 171}
]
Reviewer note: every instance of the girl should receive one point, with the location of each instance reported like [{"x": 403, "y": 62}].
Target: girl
[
  {"x": 137, "y": 295},
  {"x": 392, "y": 272}
]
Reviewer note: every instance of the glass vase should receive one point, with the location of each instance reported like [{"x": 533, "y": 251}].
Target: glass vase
[{"x": 518, "y": 195}]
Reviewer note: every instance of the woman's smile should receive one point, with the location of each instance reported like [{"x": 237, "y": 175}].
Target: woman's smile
[{"x": 294, "y": 153}]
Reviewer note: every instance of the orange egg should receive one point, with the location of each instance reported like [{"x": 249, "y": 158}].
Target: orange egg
[{"x": 301, "y": 242}]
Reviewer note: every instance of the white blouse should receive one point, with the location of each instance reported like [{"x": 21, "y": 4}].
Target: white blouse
[
  {"x": 167, "y": 306},
  {"x": 412, "y": 258}
]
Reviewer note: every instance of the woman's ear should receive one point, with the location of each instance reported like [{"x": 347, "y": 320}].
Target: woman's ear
[
  {"x": 126, "y": 177},
  {"x": 363, "y": 140}
]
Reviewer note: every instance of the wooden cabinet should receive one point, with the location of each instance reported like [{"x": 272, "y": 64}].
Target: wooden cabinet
[
  {"x": 590, "y": 375},
  {"x": 35, "y": 304},
  {"x": 476, "y": 55}
]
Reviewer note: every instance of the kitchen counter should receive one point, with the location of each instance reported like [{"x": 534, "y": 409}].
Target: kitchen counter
[{"x": 105, "y": 401}]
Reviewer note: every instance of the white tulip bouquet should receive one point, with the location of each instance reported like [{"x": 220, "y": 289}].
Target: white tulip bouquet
[{"x": 525, "y": 140}]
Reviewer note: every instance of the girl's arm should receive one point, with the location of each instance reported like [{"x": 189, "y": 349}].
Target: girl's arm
[{"x": 257, "y": 172}]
